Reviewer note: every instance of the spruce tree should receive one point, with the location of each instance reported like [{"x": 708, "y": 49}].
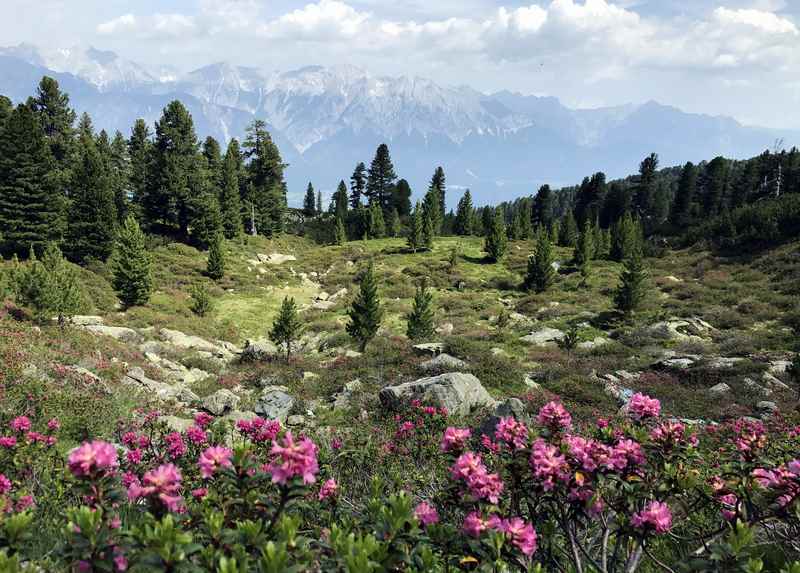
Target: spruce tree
[
  {"x": 287, "y": 327},
  {"x": 420, "y": 319},
  {"x": 358, "y": 185},
  {"x": 339, "y": 201},
  {"x": 496, "y": 242},
  {"x": 432, "y": 205},
  {"x": 119, "y": 176},
  {"x": 133, "y": 279},
  {"x": 464, "y": 215},
  {"x": 201, "y": 302},
  {"x": 319, "y": 203},
  {"x": 427, "y": 230},
  {"x": 57, "y": 120},
  {"x": 139, "y": 152},
  {"x": 206, "y": 218},
  {"x": 625, "y": 238},
  {"x": 633, "y": 284},
  {"x": 265, "y": 192},
  {"x": 439, "y": 185},
  {"x": 310, "y": 202},
  {"x": 584, "y": 250},
  {"x": 416, "y": 229},
  {"x": 393, "y": 224},
  {"x": 554, "y": 231},
  {"x": 542, "y": 212},
  {"x": 541, "y": 275},
  {"x": 213, "y": 156},
  {"x": 339, "y": 233},
  {"x": 215, "y": 265},
  {"x": 365, "y": 311},
  {"x": 401, "y": 198},
  {"x": 685, "y": 195},
  {"x": 377, "y": 226},
  {"x": 568, "y": 232},
  {"x": 50, "y": 287},
  {"x": 381, "y": 178},
  {"x": 229, "y": 195}
]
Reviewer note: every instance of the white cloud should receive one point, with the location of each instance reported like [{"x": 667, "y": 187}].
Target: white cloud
[
  {"x": 325, "y": 20},
  {"x": 117, "y": 25},
  {"x": 759, "y": 19}
]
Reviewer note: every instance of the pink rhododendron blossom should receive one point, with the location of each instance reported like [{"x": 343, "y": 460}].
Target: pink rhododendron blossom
[
  {"x": 512, "y": 433},
  {"x": 656, "y": 516},
  {"x": 53, "y": 425},
  {"x": 585, "y": 452},
  {"x": 25, "y": 502},
  {"x": 162, "y": 484},
  {"x": 641, "y": 407},
  {"x": 455, "y": 439},
  {"x": 490, "y": 446},
  {"x": 20, "y": 424},
  {"x": 548, "y": 465},
  {"x": 784, "y": 481},
  {"x": 751, "y": 436},
  {"x": 5, "y": 484},
  {"x": 134, "y": 457},
  {"x": 176, "y": 447},
  {"x": 203, "y": 419},
  {"x": 474, "y": 525},
  {"x": 426, "y": 514},
  {"x": 196, "y": 435},
  {"x": 199, "y": 493},
  {"x": 214, "y": 458},
  {"x": 329, "y": 489},
  {"x": 293, "y": 459},
  {"x": 8, "y": 442},
  {"x": 554, "y": 416},
  {"x": 480, "y": 483},
  {"x": 258, "y": 429},
  {"x": 627, "y": 454},
  {"x": 93, "y": 459},
  {"x": 671, "y": 434},
  {"x": 522, "y": 535}
]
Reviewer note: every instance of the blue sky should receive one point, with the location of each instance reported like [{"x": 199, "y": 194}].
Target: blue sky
[{"x": 734, "y": 57}]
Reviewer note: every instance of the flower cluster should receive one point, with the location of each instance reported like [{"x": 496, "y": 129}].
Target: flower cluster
[
  {"x": 470, "y": 469},
  {"x": 161, "y": 486},
  {"x": 214, "y": 458},
  {"x": 783, "y": 481},
  {"x": 259, "y": 430},
  {"x": 512, "y": 433},
  {"x": 521, "y": 534},
  {"x": 641, "y": 407},
  {"x": 93, "y": 459},
  {"x": 455, "y": 439},
  {"x": 656, "y": 517},
  {"x": 293, "y": 459},
  {"x": 554, "y": 417}
]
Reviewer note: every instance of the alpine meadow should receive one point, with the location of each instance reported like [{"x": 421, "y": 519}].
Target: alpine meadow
[{"x": 342, "y": 318}]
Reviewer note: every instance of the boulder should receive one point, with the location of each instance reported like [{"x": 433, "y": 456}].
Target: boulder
[
  {"x": 591, "y": 344},
  {"x": 695, "y": 329},
  {"x": 459, "y": 393},
  {"x": 274, "y": 404},
  {"x": 543, "y": 337},
  {"x": 275, "y": 258},
  {"x": 677, "y": 363},
  {"x": 721, "y": 362},
  {"x": 766, "y": 408},
  {"x": 236, "y": 416},
  {"x": 296, "y": 420},
  {"x": 180, "y": 340},
  {"x": 178, "y": 392},
  {"x": 779, "y": 367},
  {"x": 774, "y": 383},
  {"x": 757, "y": 388},
  {"x": 530, "y": 381},
  {"x": 343, "y": 399},
  {"x": 720, "y": 389},
  {"x": 220, "y": 402},
  {"x": 258, "y": 350},
  {"x": 338, "y": 294},
  {"x": 445, "y": 329},
  {"x": 85, "y": 320},
  {"x": 118, "y": 332},
  {"x": 87, "y": 375},
  {"x": 177, "y": 424},
  {"x": 443, "y": 362},
  {"x": 323, "y": 304},
  {"x": 429, "y": 348},
  {"x": 512, "y": 407}
]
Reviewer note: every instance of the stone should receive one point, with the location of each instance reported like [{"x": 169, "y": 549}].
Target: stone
[
  {"x": 275, "y": 258},
  {"x": 444, "y": 362},
  {"x": 323, "y": 295},
  {"x": 544, "y": 336},
  {"x": 767, "y": 408},
  {"x": 757, "y": 388},
  {"x": 274, "y": 404},
  {"x": 118, "y": 332},
  {"x": 178, "y": 392},
  {"x": 591, "y": 344},
  {"x": 673, "y": 279},
  {"x": 84, "y": 373},
  {"x": 690, "y": 329},
  {"x": 176, "y": 424},
  {"x": 338, "y": 294},
  {"x": 774, "y": 383},
  {"x": 677, "y": 363},
  {"x": 499, "y": 352},
  {"x": 323, "y": 304},
  {"x": 445, "y": 329},
  {"x": 343, "y": 399},
  {"x": 779, "y": 366},
  {"x": 625, "y": 375},
  {"x": 258, "y": 350},
  {"x": 180, "y": 340},
  {"x": 510, "y": 408},
  {"x": 237, "y": 416},
  {"x": 429, "y": 348},
  {"x": 85, "y": 320},
  {"x": 530, "y": 382},
  {"x": 458, "y": 392},
  {"x": 296, "y": 420},
  {"x": 221, "y": 401},
  {"x": 720, "y": 362},
  {"x": 720, "y": 389}
]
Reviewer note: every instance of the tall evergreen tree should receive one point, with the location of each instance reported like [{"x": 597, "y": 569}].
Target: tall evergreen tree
[
  {"x": 133, "y": 278},
  {"x": 401, "y": 198},
  {"x": 229, "y": 198},
  {"x": 568, "y": 232},
  {"x": 266, "y": 189},
  {"x": 626, "y": 237},
  {"x": 215, "y": 265},
  {"x": 377, "y": 225},
  {"x": 590, "y": 199},
  {"x": 463, "y": 223},
  {"x": 319, "y": 203},
  {"x": 496, "y": 242},
  {"x": 213, "y": 155},
  {"x": 58, "y": 121},
  {"x": 381, "y": 178},
  {"x": 358, "y": 185},
  {"x": 439, "y": 184},
  {"x": 393, "y": 226},
  {"x": 120, "y": 175},
  {"x": 432, "y": 209},
  {"x": 30, "y": 207},
  {"x": 339, "y": 201},
  {"x": 287, "y": 327},
  {"x": 633, "y": 284},
  {"x": 715, "y": 185},
  {"x": 646, "y": 186},
  {"x": 584, "y": 250},
  {"x": 415, "y": 241},
  {"x": 310, "y": 202},
  {"x": 139, "y": 151},
  {"x": 365, "y": 311},
  {"x": 543, "y": 206},
  {"x": 420, "y": 325},
  {"x": 487, "y": 218},
  {"x": 541, "y": 275},
  {"x": 50, "y": 287},
  {"x": 205, "y": 215},
  {"x": 339, "y": 233},
  {"x": 427, "y": 230}
]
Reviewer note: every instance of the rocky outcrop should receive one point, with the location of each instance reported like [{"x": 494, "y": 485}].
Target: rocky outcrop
[
  {"x": 510, "y": 408},
  {"x": 443, "y": 362},
  {"x": 220, "y": 402},
  {"x": 274, "y": 403},
  {"x": 258, "y": 350},
  {"x": 344, "y": 399},
  {"x": 459, "y": 393},
  {"x": 118, "y": 332},
  {"x": 689, "y": 329},
  {"x": 178, "y": 392},
  {"x": 543, "y": 337},
  {"x": 186, "y": 341},
  {"x": 592, "y": 344},
  {"x": 720, "y": 389},
  {"x": 429, "y": 348},
  {"x": 275, "y": 258}
]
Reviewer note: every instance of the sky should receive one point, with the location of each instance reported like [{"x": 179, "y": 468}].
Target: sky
[{"x": 726, "y": 57}]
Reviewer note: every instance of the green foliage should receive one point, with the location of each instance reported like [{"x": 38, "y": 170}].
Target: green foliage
[
  {"x": 420, "y": 319},
  {"x": 365, "y": 311},
  {"x": 201, "y": 301},
  {"x": 131, "y": 265},
  {"x": 377, "y": 226},
  {"x": 49, "y": 287},
  {"x": 358, "y": 185},
  {"x": 215, "y": 266},
  {"x": 568, "y": 231},
  {"x": 428, "y": 230},
  {"x": 206, "y": 219},
  {"x": 496, "y": 242},
  {"x": 310, "y": 202},
  {"x": 464, "y": 215},
  {"x": 571, "y": 338},
  {"x": 339, "y": 232},
  {"x": 380, "y": 179},
  {"x": 541, "y": 275},
  {"x": 632, "y": 290},
  {"x": 584, "y": 250},
  {"x": 415, "y": 233},
  {"x": 229, "y": 193},
  {"x": 287, "y": 327},
  {"x": 265, "y": 191},
  {"x": 626, "y": 237}
]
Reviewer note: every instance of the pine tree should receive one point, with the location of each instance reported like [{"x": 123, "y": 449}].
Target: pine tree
[
  {"x": 464, "y": 215},
  {"x": 427, "y": 230},
  {"x": 542, "y": 212},
  {"x": 633, "y": 284},
  {"x": 415, "y": 240},
  {"x": 30, "y": 206},
  {"x": 568, "y": 232},
  {"x": 393, "y": 224},
  {"x": 287, "y": 327},
  {"x": 340, "y": 235},
  {"x": 439, "y": 185},
  {"x": 310, "y": 202},
  {"x": 432, "y": 201},
  {"x": 265, "y": 192},
  {"x": 139, "y": 152},
  {"x": 541, "y": 275},
  {"x": 381, "y": 178},
  {"x": 555, "y": 231},
  {"x": 57, "y": 120},
  {"x": 358, "y": 185},
  {"x": 420, "y": 319},
  {"x": 213, "y": 156},
  {"x": 645, "y": 190},
  {"x": 120, "y": 176},
  {"x": 377, "y": 226},
  {"x": 92, "y": 221},
  {"x": 206, "y": 218},
  {"x": 229, "y": 195},
  {"x": 201, "y": 302},
  {"x": 496, "y": 240},
  {"x": 401, "y": 198},
  {"x": 685, "y": 195},
  {"x": 215, "y": 266},
  {"x": 133, "y": 279},
  {"x": 319, "y": 203},
  {"x": 584, "y": 250},
  {"x": 50, "y": 287},
  {"x": 365, "y": 311},
  {"x": 625, "y": 238},
  {"x": 339, "y": 201}
]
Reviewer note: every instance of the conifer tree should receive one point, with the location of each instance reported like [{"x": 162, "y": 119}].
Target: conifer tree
[
  {"x": 50, "y": 287},
  {"x": 119, "y": 175},
  {"x": 515, "y": 230},
  {"x": 420, "y": 320},
  {"x": 584, "y": 250},
  {"x": 377, "y": 225},
  {"x": 496, "y": 242},
  {"x": 392, "y": 223},
  {"x": 310, "y": 202},
  {"x": 30, "y": 207},
  {"x": 415, "y": 241},
  {"x": 554, "y": 231},
  {"x": 358, "y": 185},
  {"x": 206, "y": 218},
  {"x": 625, "y": 238},
  {"x": 439, "y": 184},
  {"x": 428, "y": 230},
  {"x": 287, "y": 327},
  {"x": 432, "y": 203},
  {"x": 229, "y": 196},
  {"x": 133, "y": 279},
  {"x": 633, "y": 284},
  {"x": 464, "y": 215},
  {"x": 685, "y": 195},
  {"x": 380, "y": 178},
  {"x": 339, "y": 201},
  {"x": 139, "y": 152},
  {"x": 319, "y": 203},
  {"x": 401, "y": 198},
  {"x": 57, "y": 120},
  {"x": 213, "y": 156},
  {"x": 568, "y": 232},
  {"x": 215, "y": 266},
  {"x": 542, "y": 211},
  {"x": 365, "y": 311},
  {"x": 265, "y": 192},
  {"x": 201, "y": 302},
  {"x": 340, "y": 235},
  {"x": 541, "y": 275}
]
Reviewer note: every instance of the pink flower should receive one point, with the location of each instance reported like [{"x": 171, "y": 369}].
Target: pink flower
[
  {"x": 585, "y": 452},
  {"x": 175, "y": 446},
  {"x": 490, "y": 446},
  {"x": 8, "y": 442},
  {"x": 54, "y": 425},
  {"x": 199, "y": 493},
  {"x": 25, "y": 502},
  {"x": 474, "y": 525},
  {"x": 329, "y": 489},
  {"x": 548, "y": 465},
  {"x": 554, "y": 416},
  {"x": 5, "y": 484},
  {"x": 455, "y": 439},
  {"x": 134, "y": 457},
  {"x": 336, "y": 444},
  {"x": 641, "y": 407},
  {"x": 120, "y": 562},
  {"x": 293, "y": 459},
  {"x": 480, "y": 483},
  {"x": 522, "y": 535},
  {"x": 202, "y": 419},
  {"x": 214, "y": 458},
  {"x": 602, "y": 423},
  {"x": 512, "y": 432},
  {"x": 426, "y": 514},
  {"x": 258, "y": 429},
  {"x": 20, "y": 424},
  {"x": 625, "y": 454},
  {"x": 95, "y": 458},
  {"x": 196, "y": 435},
  {"x": 161, "y": 484},
  {"x": 656, "y": 516},
  {"x": 129, "y": 439}
]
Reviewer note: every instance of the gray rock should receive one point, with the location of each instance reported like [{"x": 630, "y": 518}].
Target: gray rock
[
  {"x": 499, "y": 352},
  {"x": 180, "y": 340},
  {"x": 220, "y": 402},
  {"x": 296, "y": 420},
  {"x": 530, "y": 381},
  {"x": 429, "y": 348},
  {"x": 779, "y": 367},
  {"x": 177, "y": 424},
  {"x": 774, "y": 383},
  {"x": 258, "y": 351},
  {"x": 694, "y": 329},
  {"x": 512, "y": 407},
  {"x": 458, "y": 392},
  {"x": 720, "y": 362},
  {"x": 445, "y": 329},
  {"x": 720, "y": 389},
  {"x": 118, "y": 332},
  {"x": 84, "y": 373},
  {"x": 343, "y": 399},
  {"x": 677, "y": 363},
  {"x": 275, "y": 258},
  {"x": 85, "y": 320},
  {"x": 236, "y": 416},
  {"x": 443, "y": 362},
  {"x": 754, "y": 386},
  {"x": 323, "y": 304},
  {"x": 178, "y": 392},
  {"x": 338, "y": 294},
  {"x": 625, "y": 375},
  {"x": 274, "y": 404},
  {"x": 766, "y": 408},
  {"x": 543, "y": 336},
  {"x": 591, "y": 344}
]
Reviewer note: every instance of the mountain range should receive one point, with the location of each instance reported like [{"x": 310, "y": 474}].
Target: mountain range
[{"x": 326, "y": 119}]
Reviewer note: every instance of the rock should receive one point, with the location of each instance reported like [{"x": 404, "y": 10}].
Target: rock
[
  {"x": 720, "y": 362},
  {"x": 117, "y": 332},
  {"x": 445, "y": 329},
  {"x": 85, "y": 320},
  {"x": 673, "y": 279},
  {"x": 766, "y": 408},
  {"x": 677, "y": 363},
  {"x": 695, "y": 329},
  {"x": 309, "y": 376},
  {"x": 323, "y": 304},
  {"x": 512, "y": 407},
  {"x": 258, "y": 350},
  {"x": 338, "y": 294},
  {"x": 177, "y": 372},
  {"x": 236, "y": 416},
  {"x": 177, "y": 424},
  {"x": 590, "y": 344},
  {"x": 444, "y": 362},
  {"x": 779, "y": 366},
  {"x": 429, "y": 348},
  {"x": 343, "y": 399},
  {"x": 757, "y": 388},
  {"x": 625, "y": 375},
  {"x": 543, "y": 336},
  {"x": 323, "y": 295},
  {"x": 275, "y": 258},
  {"x": 180, "y": 340},
  {"x": 220, "y": 402},
  {"x": 720, "y": 389},
  {"x": 530, "y": 382},
  {"x": 459, "y": 393},
  {"x": 499, "y": 352},
  {"x": 774, "y": 383},
  {"x": 296, "y": 420},
  {"x": 85, "y": 374},
  {"x": 274, "y": 404},
  {"x": 178, "y": 392}
]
